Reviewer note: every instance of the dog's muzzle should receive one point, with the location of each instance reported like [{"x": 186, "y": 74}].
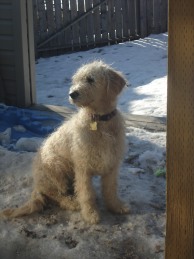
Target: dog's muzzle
[{"x": 74, "y": 95}]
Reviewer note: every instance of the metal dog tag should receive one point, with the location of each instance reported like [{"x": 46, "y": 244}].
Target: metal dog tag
[{"x": 93, "y": 125}]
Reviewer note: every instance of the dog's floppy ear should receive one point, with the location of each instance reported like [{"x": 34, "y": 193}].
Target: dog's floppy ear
[{"x": 117, "y": 81}]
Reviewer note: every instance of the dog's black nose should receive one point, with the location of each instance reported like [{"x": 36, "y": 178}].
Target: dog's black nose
[{"x": 74, "y": 94}]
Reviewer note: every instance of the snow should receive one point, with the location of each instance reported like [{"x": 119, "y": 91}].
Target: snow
[
  {"x": 55, "y": 233},
  {"x": 5, "y": 136},
  {"x": 143, "y": 62},
  {"x": 29, "y": 144}
]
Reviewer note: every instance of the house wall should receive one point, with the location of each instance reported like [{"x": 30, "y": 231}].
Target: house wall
[{"x": 16, "y": 53}]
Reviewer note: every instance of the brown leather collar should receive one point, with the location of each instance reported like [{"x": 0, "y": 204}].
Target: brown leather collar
[{"x": 105, "y": 117}]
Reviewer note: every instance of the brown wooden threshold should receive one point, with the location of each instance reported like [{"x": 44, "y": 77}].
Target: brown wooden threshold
[{"x": 150, "y": 123}]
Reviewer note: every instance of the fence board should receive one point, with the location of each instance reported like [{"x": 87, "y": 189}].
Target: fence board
[
  {"x": 42, "y": 21},
  {"x": 66, "y": 20},
  {"x": 131, "y": 14},
  {"x": 89, "y": 22},
  {"x": 143, "y": 18},
  {"x": 163, "y": 15},
  {"x": 137, "y": 18},
  {"x": 118, "y": 19},
  {"x": 51, "y": 26},
  {"x": 111, "y": 21},
  {"x": 96, "y": 18},
  {"x": 156, "y": 16},
  {"x": 58, "y": 14},
  {"x": 58, "y": 21},
  {"x": 82, "y": 24},
  {"x": 149, "y": 14},
  {"x": 104, "y": 22},
  {"x": 50, "y": 17},
  {"x": 125, "y": 19},
  {"x": 75, "y": 27}
]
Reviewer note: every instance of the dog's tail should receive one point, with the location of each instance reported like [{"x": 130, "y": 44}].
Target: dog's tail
[{"x": 35, "y": 204}]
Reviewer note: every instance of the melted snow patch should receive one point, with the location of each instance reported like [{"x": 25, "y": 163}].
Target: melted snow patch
[{"x": 29, "y": 144}]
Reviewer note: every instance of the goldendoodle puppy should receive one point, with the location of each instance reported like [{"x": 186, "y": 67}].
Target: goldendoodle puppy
[{"x": 90, "y": 143}]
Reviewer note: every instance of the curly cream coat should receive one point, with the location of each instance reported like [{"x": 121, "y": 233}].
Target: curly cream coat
[{"x": 74, "y": 153}]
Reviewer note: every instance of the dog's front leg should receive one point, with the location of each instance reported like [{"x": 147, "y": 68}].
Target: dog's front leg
[
  {"x": 109, "y": 189},
  {"x": 86, "y": 195}
]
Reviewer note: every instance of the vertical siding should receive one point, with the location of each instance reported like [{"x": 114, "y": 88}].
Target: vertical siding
[
  {"x": 7, "y": 56},
  {"x": 16, "y": 53}
]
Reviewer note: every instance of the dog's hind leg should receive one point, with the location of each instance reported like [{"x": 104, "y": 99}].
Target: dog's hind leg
[{"x": 35, "y": 204}]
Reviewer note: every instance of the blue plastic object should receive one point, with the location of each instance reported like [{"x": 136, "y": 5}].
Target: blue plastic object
[{"x": 34, "y": 123}]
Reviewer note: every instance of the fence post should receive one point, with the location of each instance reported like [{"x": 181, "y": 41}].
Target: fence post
[{"x": 180, "y": 132}]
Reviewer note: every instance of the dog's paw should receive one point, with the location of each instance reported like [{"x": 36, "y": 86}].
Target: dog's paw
[
  {"x": 91, "y": 216},
  {"x": 5, "y": 214},
  {"x": 124, "y": 209},
  {"x": 70, "y": 203},
  {"x": 119, "y": 208},
  {"x": 74, "y": 206}
]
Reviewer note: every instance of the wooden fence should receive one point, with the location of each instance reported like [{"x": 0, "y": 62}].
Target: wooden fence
[{"x": 66, "y": 25}]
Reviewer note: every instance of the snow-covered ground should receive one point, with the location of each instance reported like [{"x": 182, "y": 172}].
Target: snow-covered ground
[
  {"x": 63, "y": 234},
  {"x": 143, "y": 62}
]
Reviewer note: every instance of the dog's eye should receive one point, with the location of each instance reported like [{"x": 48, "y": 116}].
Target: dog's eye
[{"x": 90, "y": 79}]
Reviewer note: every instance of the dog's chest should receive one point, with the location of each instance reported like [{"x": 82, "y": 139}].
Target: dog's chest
[{"x": 101, "y": 148}]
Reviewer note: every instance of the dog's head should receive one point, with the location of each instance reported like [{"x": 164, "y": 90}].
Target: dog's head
[{"x": 96, "y": 84}]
